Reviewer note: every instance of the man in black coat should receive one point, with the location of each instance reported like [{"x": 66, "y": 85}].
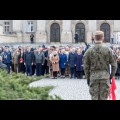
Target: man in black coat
[
  {"x": 76, "y": 37},
  {"x": 71, "y": 61},
  {"x": 87, "y": 47},
  {"x": 45, "y": 67},
  {"x": 21, "y": 65},
  {"x": 28, "y": 60},
  {"x": 32, "y": 38},
  {"x": 33, "y": 66}
]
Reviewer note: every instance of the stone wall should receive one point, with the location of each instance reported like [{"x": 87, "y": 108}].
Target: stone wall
[
  {"x": 1, "y": 30},
  {"x": 67, "y": 30},
  {"x": 8, "y": 39}
]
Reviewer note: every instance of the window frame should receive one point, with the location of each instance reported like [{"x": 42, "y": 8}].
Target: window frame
[
  {"x": 30, "y": 27},
  {"x": 7, "y": 27}
]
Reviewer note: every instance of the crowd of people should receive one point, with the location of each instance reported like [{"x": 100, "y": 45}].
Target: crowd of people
[
  {"x": 62, "y": 61},
  {"x": 56, "y": 61},
  {"x": 116, "y": 50}
]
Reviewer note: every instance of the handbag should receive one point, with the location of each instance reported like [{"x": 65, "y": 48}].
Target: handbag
[{"x": 21, "y": 60}]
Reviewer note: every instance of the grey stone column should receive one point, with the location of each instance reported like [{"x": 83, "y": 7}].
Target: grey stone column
[
  {"x": 41, "y": 31},
  {"x": 116, "y": 29},
  {"x": 92, "y": 27},
  {"x": 17, "y": 28},
  {"x": 66, "y": 35}
]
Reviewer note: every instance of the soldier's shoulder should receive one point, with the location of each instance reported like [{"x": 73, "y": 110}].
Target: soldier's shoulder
[
  {"x": 105, "y": 47},
  {"x": 88, "y": 51}
]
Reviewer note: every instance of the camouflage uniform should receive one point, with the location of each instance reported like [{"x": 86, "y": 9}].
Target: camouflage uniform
[{"x": 96, "y": 66}]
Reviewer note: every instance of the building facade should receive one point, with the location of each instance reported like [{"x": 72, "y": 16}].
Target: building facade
[{"x": 58, "y": 31}]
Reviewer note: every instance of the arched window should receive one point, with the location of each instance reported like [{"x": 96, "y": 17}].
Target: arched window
[
  {"x": 55, "y": 32},
  {"x": 105, "y": 27},
  {"x": 80, "y": 29}
]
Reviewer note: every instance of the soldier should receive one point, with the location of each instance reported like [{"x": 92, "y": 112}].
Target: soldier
[
  {"x": 76, "y": 37},
  {"x": 97, "y": 60},
  {"x": 32, "y": 38}
]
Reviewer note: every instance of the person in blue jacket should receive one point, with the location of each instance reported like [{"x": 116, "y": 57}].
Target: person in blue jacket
[
  {"x": 62, "y": 62},
  {"x": 7, "y": 59}
]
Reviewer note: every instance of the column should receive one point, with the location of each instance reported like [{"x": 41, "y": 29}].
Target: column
[
  {"x": 92, "y": 27},
  {"x": 116, "y": 28},
  {"x": 17, "y": 28},
  {"x": 41, "y": 35},
  {"x": 1, "y": 30},
  {"x": 66, "y": 35}
]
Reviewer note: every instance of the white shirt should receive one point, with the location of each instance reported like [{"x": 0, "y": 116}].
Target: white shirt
[{"x": 112, "y": 35}]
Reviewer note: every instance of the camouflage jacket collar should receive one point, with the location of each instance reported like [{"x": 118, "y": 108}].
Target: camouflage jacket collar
[{"x": 98, "y": 42}]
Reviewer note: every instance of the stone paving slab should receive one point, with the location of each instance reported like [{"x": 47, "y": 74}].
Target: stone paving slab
[{"x": 69, "y": 89}]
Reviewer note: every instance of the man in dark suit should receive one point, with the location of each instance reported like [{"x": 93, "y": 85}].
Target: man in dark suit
[
  {"x": 28, "y": 60},
  {"x": 71, "y": 61}
]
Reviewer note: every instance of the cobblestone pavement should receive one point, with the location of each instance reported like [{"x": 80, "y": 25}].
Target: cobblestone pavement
[{"x": 70, "y": 89}]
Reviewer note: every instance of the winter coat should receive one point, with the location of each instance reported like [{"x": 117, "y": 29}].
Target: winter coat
[
  {"x": 63, "y": 60},
  {"x": 118, "y": 67},
  {"x": 7, "y": 58},
  {"x": 46, "y": 56},
  {"x": 76, "y": 37},
  {"x": 29, "y": 58},
  {"x": 79, "y": 62},
  {"x": 21, "y": 58},
  {"x": 71, "y": 59},
  {"x": 55, "y": 63},
  {"x": 39, "y": 58},
  {"x": 15, "y": 58}
]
